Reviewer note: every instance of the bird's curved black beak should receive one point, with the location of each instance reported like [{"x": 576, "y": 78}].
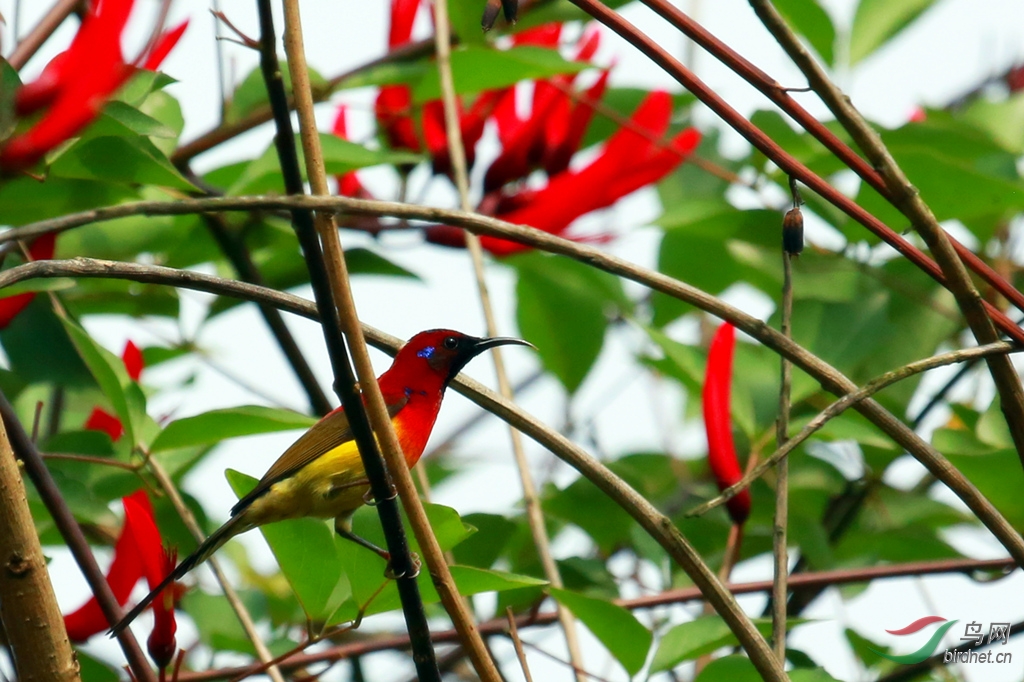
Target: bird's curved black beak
[
  {"x": 480, "y": 345},
  {"x": 476, "y": 346}
]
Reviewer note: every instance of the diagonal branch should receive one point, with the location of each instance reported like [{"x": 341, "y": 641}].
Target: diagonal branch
[
  {"x": 904, "y": 196},
  {"x": 779, "y": 95},
  {"x": 789, "y": 164}
]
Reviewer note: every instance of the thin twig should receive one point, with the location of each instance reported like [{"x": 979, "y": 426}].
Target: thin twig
[
  {"x": 780, "y": 550},
  {"x": 905, "y": 197},
  {"x": 457, "y": 154},
  {"x": 513, "y": 632},
  {"x": 851, "y": 400},
  {"x": 351, "y": 650},
  {"x": 241, "y": 612},
  {"x": 371, "y": 424},
  {"x": 31, "y": 43},
  {"x": 69, "y": 529}
]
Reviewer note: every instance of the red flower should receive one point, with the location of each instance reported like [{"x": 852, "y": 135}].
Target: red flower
[
  {"x": 156, "y": 565},
  {"x": 76, "y": 84},
  {"x": 162, "y": 643},
  {"x": 718, "y": 422},
  {"x": 133, "y": 360},
  {"x": 138, "y": 552},
  {"x": 40, "y": 248},
  {"x": 630, "y": 160},
  {"x": 101, "y": 420},
  {"x": 348, "y": 184}
]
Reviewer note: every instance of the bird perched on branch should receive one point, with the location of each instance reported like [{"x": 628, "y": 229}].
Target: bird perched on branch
[{"x": 321, "y": 474}]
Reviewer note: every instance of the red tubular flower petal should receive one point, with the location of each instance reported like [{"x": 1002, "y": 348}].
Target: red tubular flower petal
[
  {"x": 162, "y": 643},
  {"x": 33, "y": 96},
  {"x": 567, "y": 127},
  {"x": 41, "y": 248},
  {"x": 545, "y": 35},
  {"x": 348, "y": 184},
  {"x": 403, "y": 16},
  {"x": 393, "y": 108},
  {"x": 141, "y": 523},
  {"x": 101, "y": 420},
  {"x": 718, "y": 421},
  {"x": 125, "y": 570},
  {"x": 657, "y": 166},
  {"x": 588, "y": 44},
  {"x": 133, "y": 362},
  {"x": 88, "y": 73},
  {"x": 524, "y": 147},
  {"x": 163, "y": 47}
]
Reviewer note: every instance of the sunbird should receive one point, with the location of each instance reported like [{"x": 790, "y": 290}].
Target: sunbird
[{"x": 321, "y": 474}]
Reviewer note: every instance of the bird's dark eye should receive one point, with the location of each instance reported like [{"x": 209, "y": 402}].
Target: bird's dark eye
[{"x": 451, "y": 343}]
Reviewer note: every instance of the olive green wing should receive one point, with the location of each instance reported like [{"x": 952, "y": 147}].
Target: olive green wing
[{"x": 327, "y": 434}]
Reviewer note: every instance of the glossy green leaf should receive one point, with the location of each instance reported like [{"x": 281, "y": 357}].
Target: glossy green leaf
[
  {"x": 477, "y": 67},
  {"x": 251, "y": 92},
  {"x": 1003, "y": 120},
  {"x": 233, "y": 422},
  {"x": 306, "y": 552},
  {"x": 563, "y": 309},
  {"x": 689, "y": 641},
  {"x": 733, "y": 668},
  {"x": 263, "y": 175},
  {"x": 876, "y": 22},
  {"x": 119, "y": 159},
  {"x": 616, "y": 628},
  {"x": 24, "y": 200},
  {"x": 812, "y": 22},
  {"x": 137, "y": 121},
  {"x": 109, "y": 371}
]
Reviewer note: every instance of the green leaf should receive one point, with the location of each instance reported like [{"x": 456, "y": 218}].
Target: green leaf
[
  {"x": 233, "y": 422},
  {"x": 263, "y": 175},
  {"x": 251, "y": 93},
  {"x": 92, "y": 670},
  {"x": 689, "y": 641},
  {"x": 119, "y": 159},
  {"x": 876, "y": 22},
  {"x": 477, "y": 67},
  {"x": 39, "y": 350},
  {"x": 616, "y": 628},
  {"x": 25, "y": 200},
  {"x": 483, "y": 547},
  {"x": 1004, "y": 120},
  {"x": 729, "y": 669},
  {"x": 561, "y": 309},
  {"x": 137, "y": 121},
  {"x": 109, "y": 371},
  {"x": 307, "y": 554},
  {"x": 812, "y": 22},
  {"x": 9, "y": 84}
]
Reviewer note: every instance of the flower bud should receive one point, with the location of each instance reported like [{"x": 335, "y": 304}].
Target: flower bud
[{"x": 793, "y": 232}]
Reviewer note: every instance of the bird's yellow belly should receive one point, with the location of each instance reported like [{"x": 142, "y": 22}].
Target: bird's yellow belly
[{"x": 332, "y": 485}]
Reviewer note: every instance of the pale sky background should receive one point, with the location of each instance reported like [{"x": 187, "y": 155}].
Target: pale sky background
[{"x": 954, "y": 46}]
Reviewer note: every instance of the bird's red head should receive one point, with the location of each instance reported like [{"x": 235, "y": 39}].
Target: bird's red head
[{"x": 431, "y": 359}]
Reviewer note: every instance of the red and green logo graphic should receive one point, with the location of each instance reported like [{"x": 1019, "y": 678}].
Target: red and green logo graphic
[{"x": 929, "y": 647}]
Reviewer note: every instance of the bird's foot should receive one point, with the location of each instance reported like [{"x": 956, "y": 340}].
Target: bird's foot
[{"x": 389, "y": 571}]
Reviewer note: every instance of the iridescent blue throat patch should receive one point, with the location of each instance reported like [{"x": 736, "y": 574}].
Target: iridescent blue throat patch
[{"x": 426, "y": 352}]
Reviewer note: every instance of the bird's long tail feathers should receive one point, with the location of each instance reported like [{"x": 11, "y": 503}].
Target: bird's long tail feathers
[{"x": 234, "y": 526}]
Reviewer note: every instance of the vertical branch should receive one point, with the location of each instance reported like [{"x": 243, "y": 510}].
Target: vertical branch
[
  {"x": 244, "y": 618},
  {"x": 792, "y": 244},
  {"x": 904, "y": 196},
  {"x": 72, "y": 534},
  {"x": 29, "y": 614},
  {"x": 234, "y": 248},
  {"x": 457, "y": 153},
  {"x": 329, "y": 287}
]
